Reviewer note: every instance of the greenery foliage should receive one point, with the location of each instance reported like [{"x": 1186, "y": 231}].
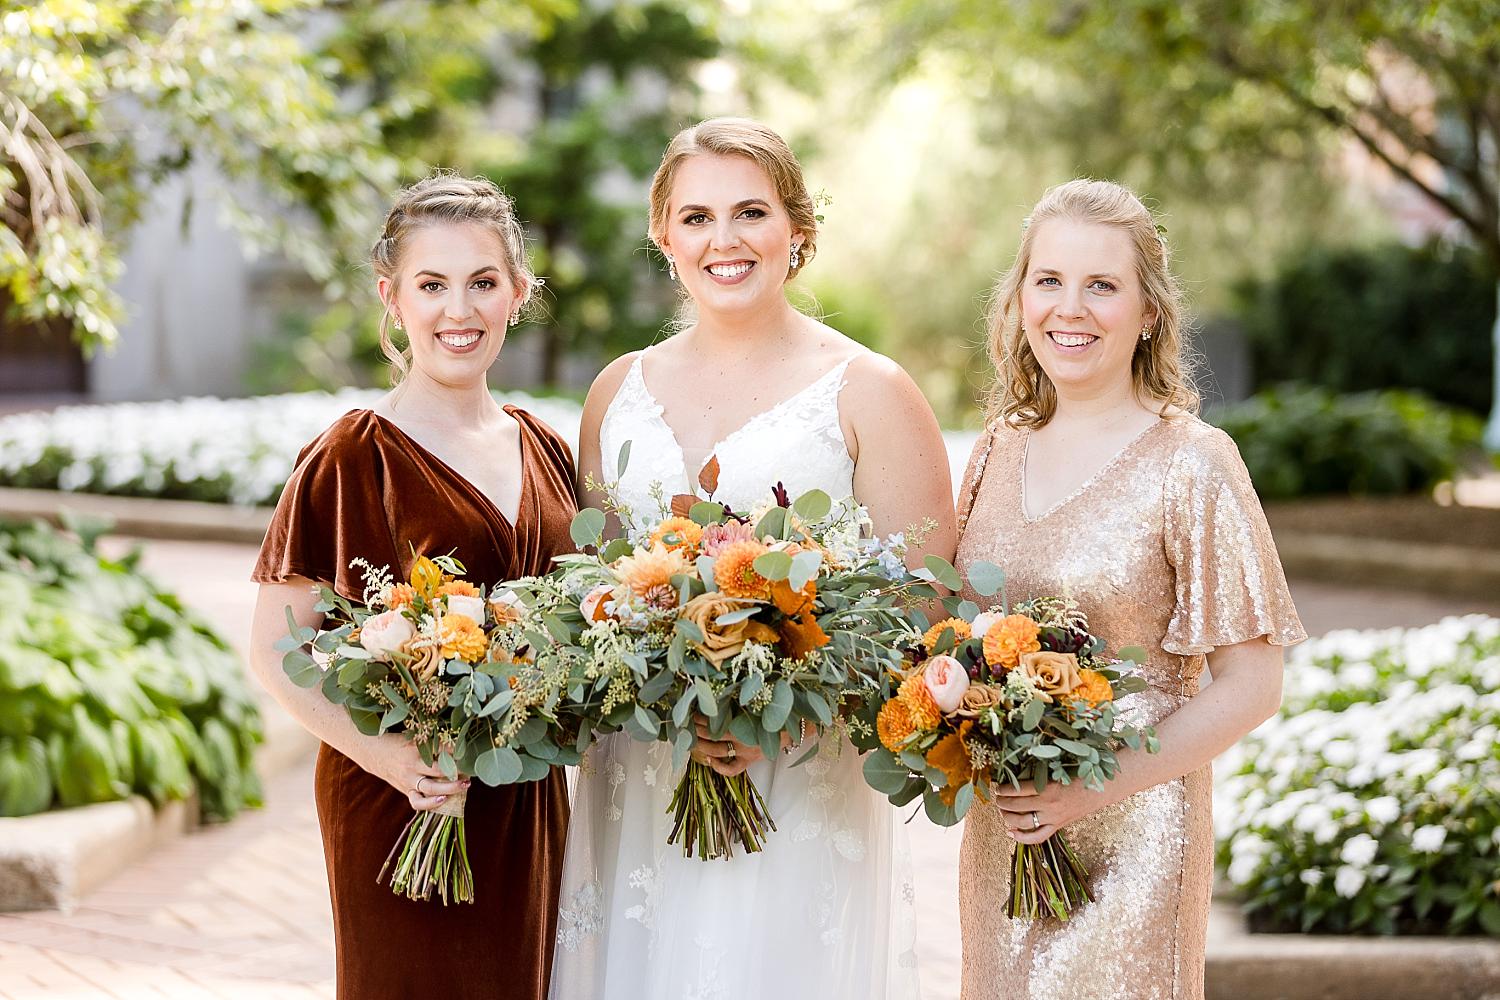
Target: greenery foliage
[
  {"x": 109, "y": 686},
  {"x": 1302, "y": 441},
  {"x": 1367, "y": 804},
  {"x": 1353, "y": 319}
]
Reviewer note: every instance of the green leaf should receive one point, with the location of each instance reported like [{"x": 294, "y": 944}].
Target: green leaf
[
  {"x": 942, "y": 571},
  {"x": 499, "y": 703},
  {"x": 647, "y": 719},
  {"x": 744, "y": 729},
  {"x": 301, "y": 668},
  {"x": 683, "y": 708},
  {"x": 688, "y": 630},
  {"x": 498, "y": 766},
  {"x": 937, "y": 810},
  {"x": 1135, "y": 654},
  {"x": 447, "y": 765},
  {"x": 986, "y": 578},
  {"x": 616, "y": 548},
  {"x": 735, "y": 617},
  {"x": 1045, "y": 751},
  {"x": 706, "y": 572},
  {"x": 804, "y": 568},
  {"x": 587, "y": 527},
  {"x": 751, "y": 687},
  {"x": 558, "y": 629},
  {"x": 706, "y": 700},
  {"x": 1032, "y": 716},
  {"x": 1076, "y": 748},
  {"x": 774, "y": 565},
  {"x": 533, "y": 769},
  {"x": 773, "y": 523},
  {"x": 773, "y": 719},
  {"x": 706, "y": 512},
  {"x": 657, "y": 686},
  {"x": 963, "y": 799},
  {"x": 813, "y": 505},
  {"x": 820, "y": 708},
  {"x": 623, "y": 462},
  {"x": 884, "y": 773}
]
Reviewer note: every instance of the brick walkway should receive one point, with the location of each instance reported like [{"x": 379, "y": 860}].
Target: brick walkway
[{"x": 241, "y": 910}]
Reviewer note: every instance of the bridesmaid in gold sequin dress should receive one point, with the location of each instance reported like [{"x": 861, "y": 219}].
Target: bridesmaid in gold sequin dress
[{"x": 1098, "y": 482}]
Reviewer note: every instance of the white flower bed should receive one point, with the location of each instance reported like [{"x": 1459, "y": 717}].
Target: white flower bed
[
  {"x": 1371, "y": 802},
  {"x": 224, "y": 450}
]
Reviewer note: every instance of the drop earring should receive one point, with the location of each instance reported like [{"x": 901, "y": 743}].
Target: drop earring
[
  {"x": 671, "y": 268},
  {"x": 1145, "y": 333},
  {"x": 397, "y": 321},
  {"x": 796, "y": 256}
]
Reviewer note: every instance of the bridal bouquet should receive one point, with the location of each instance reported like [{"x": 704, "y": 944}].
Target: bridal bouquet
[
  {"x": 1016, "y": 696},
  {"x": 434, "y": 659},
  {"x": 766, "y": 623}
]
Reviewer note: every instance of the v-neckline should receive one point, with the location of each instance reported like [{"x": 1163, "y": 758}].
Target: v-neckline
[
  {"x": 481, "y": 494},
  {"x": 713, "y": 450},
  {"x": 1082, "y": 487}
]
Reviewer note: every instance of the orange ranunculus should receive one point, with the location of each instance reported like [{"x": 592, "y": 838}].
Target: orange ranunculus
[
  {"x": 801, "y": 635},
  {"x": 401, "y": 595},
  {"x": 793, "y": 602},
  {"x": 951, "y": 756},
  {"x": 459, "y": 588},
  {"x": 924, "y": 710},
  {"x": 678, "y": 533},
  {"x": 461, "y": 636},
  {"x": 958, "y": 625},
  {"x": 735, "y": 573},
  {"x": 1007, "y": 639},
  {"x": 1093, "y": 687},
  {"x": 894, "y": 724}
]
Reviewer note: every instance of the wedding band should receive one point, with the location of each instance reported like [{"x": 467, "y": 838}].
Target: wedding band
[
  {"x": 730, "y": 752},
  {"x": 419, "y": 786},
  {"x": 1036, "y": 824}
]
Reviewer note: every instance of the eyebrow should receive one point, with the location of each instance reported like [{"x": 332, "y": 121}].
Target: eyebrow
[
  {"x": 1099, "y": 274},
  {"x": 482, "y": 270},
  {"x": 748, "y": 202}
]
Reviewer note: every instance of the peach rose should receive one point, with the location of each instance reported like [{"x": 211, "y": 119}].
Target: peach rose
[
  {"x": 1054, "y": 674},
  {"x": 385, "y": 633},
  {"x": 505, "y": 607},
  {"x": 592, "y": 604},
  {"x": 722, "y": 642},
  {"x": 979, "y": 698},
  {"x": 946, "y": 681}
]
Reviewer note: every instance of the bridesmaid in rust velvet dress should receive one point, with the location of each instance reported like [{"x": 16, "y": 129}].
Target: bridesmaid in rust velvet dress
[
  {"x": 435, "y": 466},
  {"x": 1097, "y": 482}
]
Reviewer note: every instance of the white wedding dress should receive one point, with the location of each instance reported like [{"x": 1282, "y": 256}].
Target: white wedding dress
[{"x": 825, "y": 911}]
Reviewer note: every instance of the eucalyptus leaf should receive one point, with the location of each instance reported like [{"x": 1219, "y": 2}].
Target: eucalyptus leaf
[
  {"x": 587, "y": 527},
  {"x": 773, "y": 523},
  {"x": 937, "y": 810},
  {"x": 706, "y": 700},
  {"x": 963, "y": 799},
  {"x": 774, "y": 565},
  {"x": 773, "y": 719},
  {"x": 1032, "y": 716},
  {"x": 623, "y": 461},
  {"x": 884, "y": 773},
  {"x": 804, "y": 568},
  {"x": 301, "y": 668},
  {"x": 498, "y": 766},
  {"x": 985, "y": 578},
  {"x": 447, "y": 765},
  {"x": 814, "y": 505},
  {"x": 616, "y": 548},
  {"x": 706, "y": 512},
  {"x": 656, "y": 687},
  {"x": 706, "y": 572},
  {"x": 736, "y": 616},
  {"x": 943, "y": 572}
]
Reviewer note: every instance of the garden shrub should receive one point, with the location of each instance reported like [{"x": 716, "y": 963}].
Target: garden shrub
[
  {"x": 1303, "y": 441},
  {"x": 109, "y": 686},
  {"x": 1355, "y": 319},
  {"x": 1369, "y": 803}
]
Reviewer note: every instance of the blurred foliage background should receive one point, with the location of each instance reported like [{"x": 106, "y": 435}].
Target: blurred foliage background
[{"x": 1326, "y": 172}]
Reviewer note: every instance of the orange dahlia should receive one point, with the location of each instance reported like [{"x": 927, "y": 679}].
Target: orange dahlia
[
  {"x": 645, "y": 569},
  {"x": 678, "y": 533},
  {"x": 913, "y": 692},
  {"x": 459, "y": 588},
  {"x": 1007, "y": 639},
  {"x": 735, "y": 574},
  {"x": 461, "y": 636},
  {"x": 1093, "y": 687},
  {"x": 960, "y": 629},
  {"x": 401, "y": 595},
  {"x": 894, "y": 724}
]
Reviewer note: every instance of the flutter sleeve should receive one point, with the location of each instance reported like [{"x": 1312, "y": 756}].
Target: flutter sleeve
[
  {"x": 1230, "y": 587},
  {"x": 330, "y": 513}
]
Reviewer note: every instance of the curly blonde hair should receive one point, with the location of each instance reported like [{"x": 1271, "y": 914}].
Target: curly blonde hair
[
  {"x": 754, "y": 141},
  {"x": 1162, "y": 367},
  {"x": 446, "y": 198}
]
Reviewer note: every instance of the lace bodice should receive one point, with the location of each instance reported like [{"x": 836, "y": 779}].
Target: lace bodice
[{"x": 798, "y": 442}]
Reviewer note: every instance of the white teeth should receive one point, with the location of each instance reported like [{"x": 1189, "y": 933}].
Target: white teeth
[
  {"x": 458, "y": 339},
  {"x": 1072, "y": 339},
  {"x": 728, "y": 270}
]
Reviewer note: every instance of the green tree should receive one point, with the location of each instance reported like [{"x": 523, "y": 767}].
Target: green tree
[
  {"x": 1201, "y": 90},
  {"x": 102, "y": 99}
]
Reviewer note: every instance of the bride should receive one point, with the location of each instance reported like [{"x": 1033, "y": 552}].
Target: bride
[{"x": 773, "y": 396}]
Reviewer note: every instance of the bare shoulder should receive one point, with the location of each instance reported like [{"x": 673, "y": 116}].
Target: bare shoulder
[{"x": 876, "y": 383}]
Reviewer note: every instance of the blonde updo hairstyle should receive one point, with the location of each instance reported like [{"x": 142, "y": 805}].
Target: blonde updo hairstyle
[
  {"x": 444, "y": 198},
  {"x": 755, "y": 142},
  {"x": 1162, "y": 367}
]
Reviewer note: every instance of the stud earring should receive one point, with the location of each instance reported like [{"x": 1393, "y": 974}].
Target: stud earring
[
  {"x": 1145, "y": 333},
  {"x": 515, "y": 319},
  {"x": 671, "y": 268},
  {"x": 397, "y": 322},
  {"x": 796, "y": 256}
]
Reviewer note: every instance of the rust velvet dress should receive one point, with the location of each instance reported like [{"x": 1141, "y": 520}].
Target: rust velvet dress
[{"x": 366, "y": 489}]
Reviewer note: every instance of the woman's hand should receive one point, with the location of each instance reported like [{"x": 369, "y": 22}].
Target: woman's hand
[
  {"x": 1031, "y": 817},
  {"x": 393, "y": 759},
  {"x": 725, "y": 754}
]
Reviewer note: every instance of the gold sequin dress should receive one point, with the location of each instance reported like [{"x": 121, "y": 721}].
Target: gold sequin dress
[{"x": 1165, "y": 548}]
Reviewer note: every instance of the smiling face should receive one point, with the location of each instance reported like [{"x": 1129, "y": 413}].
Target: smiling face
[
  {"x": 728, "y": 233},
  {"x": 455, "y": 295},
  {"x": 1083, "y": 305}
]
